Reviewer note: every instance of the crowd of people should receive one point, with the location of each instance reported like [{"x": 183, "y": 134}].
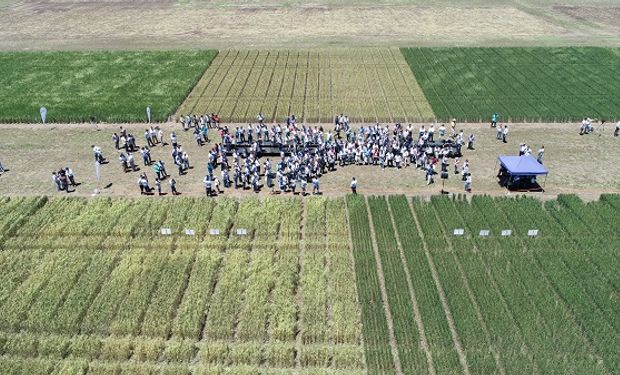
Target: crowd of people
[
  {"x": 306, "y": 153},
  {"x": 63, "y": 178},
  {"x": 525, "y": 149}
]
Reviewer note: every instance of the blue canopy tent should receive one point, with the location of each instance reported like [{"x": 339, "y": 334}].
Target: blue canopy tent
[{"x": 520, "y": 172}]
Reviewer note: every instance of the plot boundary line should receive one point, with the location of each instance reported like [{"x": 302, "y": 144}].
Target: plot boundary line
[
  {"x": 412, "y": 296},
  {"x": 442, "y": 295},
  {"x": 386, "y": 305}
]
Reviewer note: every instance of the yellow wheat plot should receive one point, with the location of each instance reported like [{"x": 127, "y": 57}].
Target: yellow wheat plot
[{"x": 368, "y": 85}]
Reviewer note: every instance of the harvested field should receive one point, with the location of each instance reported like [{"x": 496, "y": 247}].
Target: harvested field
[
  {"x": 369, "y": 85},
  {"x": 521, "y": 84},
  {"x": 97, "y": 86},
  {"x": 165, "y": 24}
]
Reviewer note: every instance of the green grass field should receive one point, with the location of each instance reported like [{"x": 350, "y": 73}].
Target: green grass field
[
  {"x": 522, "y": 84},
  {"x": 105, "y": 86},
  {"x": 368, "y": 85},
  {"x": 318, "y": 286}
]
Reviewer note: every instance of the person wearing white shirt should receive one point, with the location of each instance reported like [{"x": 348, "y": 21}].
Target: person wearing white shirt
[
  {"x": 541, "y": 152},
  {"x": 617, "y": 131},
  {"x": 354, "y": 186}
]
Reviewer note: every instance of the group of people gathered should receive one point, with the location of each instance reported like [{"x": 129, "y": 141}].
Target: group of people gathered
[{"x": 306, "y": 153}]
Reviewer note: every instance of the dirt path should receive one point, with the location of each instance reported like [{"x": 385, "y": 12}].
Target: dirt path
[{"x": 585, "y": 165}]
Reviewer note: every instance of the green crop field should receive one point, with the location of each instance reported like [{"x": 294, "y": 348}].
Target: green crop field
[
  {"x": 478, "y": 305},
  {"x": 522, "y": 84},
  {"x": 104, "y": 86},
  {"x": 317, "y": 286},
  {"x": 368, "y": 85}
]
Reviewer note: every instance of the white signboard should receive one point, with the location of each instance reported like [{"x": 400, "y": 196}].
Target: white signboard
[
  {"x": 43, "y": 113},
  {"x": 242, "y": 232},
  {"x": 532, "y": 232},
  {"x": 214, "y": 232},
  {"x": 165, "y": 231},
  {"x": 506, "y": 233},
  {"x": 459, "y": 232},
  {"x": 190, "y": 232},
  {"x": 484, "y": 232}
]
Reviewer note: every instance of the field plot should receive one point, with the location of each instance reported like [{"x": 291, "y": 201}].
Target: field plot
[
  {"x": 102, "y": 292},
  {"x": 368, "y": 85},
  {"x": 522, "y": 84},
  {"x": 437, "y": 303},
  {"x": 317, "y": 286},
  {"x": 100, "y": 86}
]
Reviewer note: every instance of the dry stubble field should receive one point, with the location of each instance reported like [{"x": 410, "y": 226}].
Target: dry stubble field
[
  {"x": 166, "y": 24},
  {"x": 586, "y": 165}
]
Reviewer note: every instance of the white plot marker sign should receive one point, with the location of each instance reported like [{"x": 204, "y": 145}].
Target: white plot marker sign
[
  {"x": 532, "y": 232},
  {"x": 484, "y": 233},
  {"x": 506, "y": 233},
  {"x": 459, "y": 232},
  {"x": 242, "y": 232},
  {"x": 165, "y": 231},
  {"x": 190, "y": 232},
  {"x": 214, "y": 232}
]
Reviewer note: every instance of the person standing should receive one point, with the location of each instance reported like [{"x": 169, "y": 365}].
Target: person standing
[
  {"x": 354, "y": 186},
  {"x": 173, "y": 186},
  {"x": 208, "y": 185},
  {"x": 541, "y": 152},
  {"x": 158, "y": 185},
  {"x": 56, "y": 181},
  {"x": 315, "y": 186},
  {"x": 494, "y": 119},
  {"x": 116, "y": 139},
  {"x": 470, "y": 142},
  {"x": 468, "y": 184},
  {"x": 498, "y": 134},
  {"x": 505, "y": 134},
  {"x": 617, "y": 131},
  {"x": 70, "y": 176}
]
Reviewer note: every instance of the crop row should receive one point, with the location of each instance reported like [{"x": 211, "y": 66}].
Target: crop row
[
  {"x": 526, "y": 288},
  {"x": 373, "y": 85},
  {"x": 181, "y": 353},
  {"x": 399, "y": 296},
  {"x": 379, "y": 358},
  {"x": 522, "y": 84}
]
